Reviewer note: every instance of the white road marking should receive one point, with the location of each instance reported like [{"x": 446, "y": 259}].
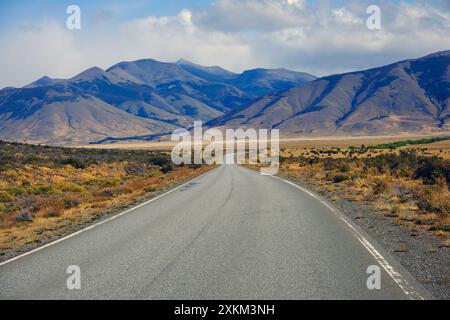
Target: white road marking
[
  {"x": 102, "y": 222},
  {"x": 396, "y": 276}
]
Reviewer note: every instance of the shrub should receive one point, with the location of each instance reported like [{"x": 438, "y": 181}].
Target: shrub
[
  {"x": 160, "y": 160},
  {"x": 24, "y": 216},
  {"x": 5, "y": 196},
  {"x": 71, "y": 187},
  {"x": 51, "y": 214},
  {"x": 338, "y": 178},
  {"x": 167, "y": 168},
  {"x": 75, "y": 162},
  {"x": 150, "y": 189},
  {"x": 26, "y": 183},
  {"x": 430, "y": 170},
  {"x": 343, "y": 168},
  {"x": 107, "y": 193},
  {"x": 71, "y": 203},
  {"x": 380, "y": 186},
  {"x": 2, "y": 207},
  {"x": 47, "y": 190},
  {"x": 102, "y": 182},
  {"x": 395, "y": 211},
  {"x": 432, "y": 199},
  {"x": 154, "y": 174},
  {"x": 16, "y": 191}
]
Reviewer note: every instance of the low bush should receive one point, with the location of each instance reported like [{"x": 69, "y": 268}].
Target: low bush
[
  {"x": 432, "y": 199},
  {"x": 47, "y": 190},
  {"x": 150, "y": 189},
  {"x": 102, "y": 182},
  {"x": 5, "y": 196},
  {"x": 24, "y": 216},
  {"x": 338, "y": 178},
  {"x": 380, "y": 186},
  {"x": 52, "y": 214},
  {"x": 71, "y": 203},
  {"x": 16, "y": 191},
  {"x": 70, "y": 187},
  {"x": 107, "y": 193}
]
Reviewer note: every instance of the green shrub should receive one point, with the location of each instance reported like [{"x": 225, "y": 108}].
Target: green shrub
[
  {"x": 5, "y": 196},
  {"x": 102, "y": 182},
  {"x": 154, "y": 174},
  {"x": 16, "y": 191},
  {"x": 47, "y": 190},
  {"x": 70, "y": 187},
  {"x": 344, "y": 168}
]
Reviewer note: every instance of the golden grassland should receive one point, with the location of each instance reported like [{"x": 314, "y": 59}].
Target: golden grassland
[
  {"x": 410, "y": 185},
  {"x": 49, "y": 192}
]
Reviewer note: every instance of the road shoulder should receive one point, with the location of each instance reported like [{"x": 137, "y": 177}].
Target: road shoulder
[{"x": 419, "y": 253}]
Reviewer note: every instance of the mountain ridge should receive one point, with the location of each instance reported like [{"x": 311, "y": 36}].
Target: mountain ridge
[
  {"x": 407, "y": 96},
  {"x": 157, "y": 96}
]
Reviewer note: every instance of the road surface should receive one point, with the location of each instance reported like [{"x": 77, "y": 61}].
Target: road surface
[{"x": 230, "y": 234}]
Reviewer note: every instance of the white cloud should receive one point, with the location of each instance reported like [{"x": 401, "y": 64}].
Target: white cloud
[
  {"x": 236, "y": 34},
  {"x": 345, "y": 16}
]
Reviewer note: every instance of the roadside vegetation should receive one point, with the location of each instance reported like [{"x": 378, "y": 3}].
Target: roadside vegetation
[
  {"x": 46, "y": 192},
  {"x": 409, "y": 186},
  {"x": 405, "y": 143}
]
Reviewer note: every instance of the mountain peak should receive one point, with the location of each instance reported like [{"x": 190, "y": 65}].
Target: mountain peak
[
  {"x": 209, "y": 73},
  {"x": 42, "y": 82},
  {"x": 89, "y": 74},
  {"x": 184, "y": 61}
]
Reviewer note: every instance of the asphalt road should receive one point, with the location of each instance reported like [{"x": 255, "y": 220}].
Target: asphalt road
[{"x": 230, "y": 234}]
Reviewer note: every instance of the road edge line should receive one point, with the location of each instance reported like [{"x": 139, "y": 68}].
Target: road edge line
[
  {"x": 390, "y": 270},
  {"x": 102, "y": 221}
]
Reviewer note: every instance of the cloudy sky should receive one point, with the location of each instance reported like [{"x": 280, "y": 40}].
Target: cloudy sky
[{"x": 321, "y": 37}]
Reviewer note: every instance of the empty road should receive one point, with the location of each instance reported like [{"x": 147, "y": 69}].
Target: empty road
[{"x": 230, "y": 234}]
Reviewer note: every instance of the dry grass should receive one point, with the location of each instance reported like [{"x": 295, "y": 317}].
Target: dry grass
[{"x": 42, "y": 197}]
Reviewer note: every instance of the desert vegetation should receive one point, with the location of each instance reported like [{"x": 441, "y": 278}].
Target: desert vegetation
[
  {"x": 409, "y": 186},
  {"x": 46, "y": 192}
]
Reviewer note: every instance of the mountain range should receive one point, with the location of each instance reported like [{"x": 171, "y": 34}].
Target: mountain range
[
  {"x": 139, "y": 98},
  {"x": 408, "y": 97},
  {"x": 146, "y": 98}
]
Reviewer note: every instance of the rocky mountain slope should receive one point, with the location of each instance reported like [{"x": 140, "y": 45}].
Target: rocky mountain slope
[
  {"x": 411, "y": 96},
  {"x": 143, "y": 97}
]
